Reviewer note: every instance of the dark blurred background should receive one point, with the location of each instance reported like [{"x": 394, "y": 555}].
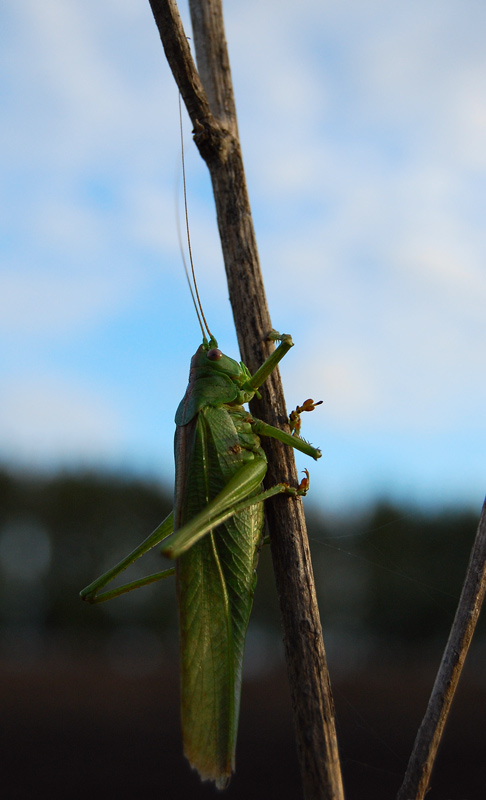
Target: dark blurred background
[{"x": 89, "y": 694}]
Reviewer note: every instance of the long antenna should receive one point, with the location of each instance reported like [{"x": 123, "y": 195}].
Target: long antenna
[
  {"x": 181, "y": 248},
  {"x": 197, "y": 305}
]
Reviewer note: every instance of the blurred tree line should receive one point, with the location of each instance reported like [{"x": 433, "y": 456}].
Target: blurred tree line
[{"x": 390, "y": 574}]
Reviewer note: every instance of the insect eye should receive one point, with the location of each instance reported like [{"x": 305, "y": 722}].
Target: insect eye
[{"x": 214, "y": 354}]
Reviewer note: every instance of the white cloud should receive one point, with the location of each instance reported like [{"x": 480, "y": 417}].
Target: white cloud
[
  {"x": 363, "y": 130},
  {"x": 57, "y": 303},
  {"x": 47, "y": 418},
  {"x": 83, "y": 119},
  {"x": 90, "y": 83}
]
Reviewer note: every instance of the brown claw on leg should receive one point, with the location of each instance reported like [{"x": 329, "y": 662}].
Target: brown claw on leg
[
  {"x": 301, "y": 490},
  {"x": 294, "y": 419},
  {"x": 304, "y": 484}
]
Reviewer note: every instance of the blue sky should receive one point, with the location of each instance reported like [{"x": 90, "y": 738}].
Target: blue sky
[{"x": 363, "y": 128}]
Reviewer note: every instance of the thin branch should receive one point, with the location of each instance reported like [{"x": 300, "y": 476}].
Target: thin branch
[
  {"x": 216, "y": 135},
  {"x": 211, "y": 136},
  {"x": 180, "y": 59},
  {"x": 419, "y": 768}
]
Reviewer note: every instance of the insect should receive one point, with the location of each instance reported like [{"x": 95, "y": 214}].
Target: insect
[{"x": 215, "y": 534}]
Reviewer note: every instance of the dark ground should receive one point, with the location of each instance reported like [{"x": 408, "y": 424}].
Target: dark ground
[
  {"x": 89, "y": 696},
  {"x": 74, "y": 728}
]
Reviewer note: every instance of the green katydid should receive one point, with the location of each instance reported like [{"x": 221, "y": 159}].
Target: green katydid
[{"x": 215, "y": 533}]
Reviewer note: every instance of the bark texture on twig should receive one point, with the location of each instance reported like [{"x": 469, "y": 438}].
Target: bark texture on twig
[
  {"x": 208, "y": 96},
  {"x": 419, "y": 768}
]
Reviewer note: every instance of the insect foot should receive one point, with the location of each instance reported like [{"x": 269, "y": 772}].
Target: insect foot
[
  {"x": 302, "y": 489},
  {"x": 275, "y": 336},
  {"x": 295, "y": 421}
]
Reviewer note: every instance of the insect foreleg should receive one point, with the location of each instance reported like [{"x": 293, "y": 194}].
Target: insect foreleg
[
  {"x": 271, "y": 362},
  {"x": 90, "y": 593},
  {"x": 263, "y": 429}
]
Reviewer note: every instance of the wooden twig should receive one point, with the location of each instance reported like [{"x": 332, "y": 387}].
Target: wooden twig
[
  {"x": 213, "y": 115},
  {"x": 424, "y": 751}
]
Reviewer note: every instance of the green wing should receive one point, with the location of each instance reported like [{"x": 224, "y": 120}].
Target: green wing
[{"x": 216, "y": 580}]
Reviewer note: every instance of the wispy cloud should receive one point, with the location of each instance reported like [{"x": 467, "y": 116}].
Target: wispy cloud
[
  {"x": 363, "y": 128},
  {"x": 45, "y": 420}
]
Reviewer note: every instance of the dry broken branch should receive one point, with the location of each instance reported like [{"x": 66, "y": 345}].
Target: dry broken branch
[{"x": 428, "y": 738}]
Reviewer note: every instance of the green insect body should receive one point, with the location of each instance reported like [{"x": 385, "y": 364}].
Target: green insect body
[
  {"x": 216, "y": 577},
  {"x": 215, "y": 533}
]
